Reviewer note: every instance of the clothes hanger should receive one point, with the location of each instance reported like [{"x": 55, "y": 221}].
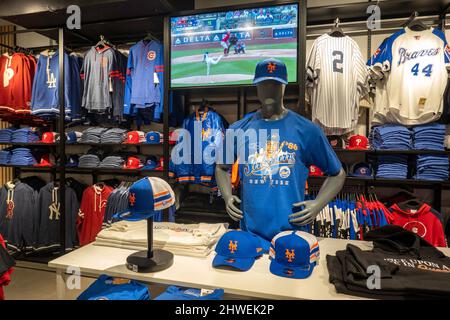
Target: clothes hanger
[
  {"x": 415, "y": 24},
  {"x": 336, "y": 31},
  {"x": 103, "y": 43}
]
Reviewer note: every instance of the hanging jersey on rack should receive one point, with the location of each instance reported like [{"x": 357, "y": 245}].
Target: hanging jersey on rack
[{"x": 414, "y": 65}]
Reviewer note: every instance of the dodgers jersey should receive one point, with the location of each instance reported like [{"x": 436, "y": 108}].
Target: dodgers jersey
[
  {"x": 337, "y": 78},
  {"x": 274, "y": 171},
  {"x": 414, "y": 64}
]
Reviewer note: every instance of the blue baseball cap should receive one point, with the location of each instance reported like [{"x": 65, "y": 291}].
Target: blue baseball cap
[
  {"x": 72, "y": 137},
  {"x": 294, "y": 254},
  {"x": 271, "y": 69},
  {"x": 72, "y": 161},
  {"x": 151, "y": 163},
  {"x": 362, "y": 170},
  {"x": 153, "y": 137},
  {"x": 237, "y": 249},
  {"x": 145, "y": 198}
]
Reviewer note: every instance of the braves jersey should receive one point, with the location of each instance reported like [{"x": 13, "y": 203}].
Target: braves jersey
[
  {"x": 109, "y": 288},
  {"x": 145, "y": 65},
  {"x": 414, "y": 66},
  {"x": 337, "y": 78},
  {"x": 274, "y": 169},
  {"x": 425, "y": 222}
]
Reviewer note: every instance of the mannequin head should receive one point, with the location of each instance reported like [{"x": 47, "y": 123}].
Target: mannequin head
[{"x": 270, "y": 94}]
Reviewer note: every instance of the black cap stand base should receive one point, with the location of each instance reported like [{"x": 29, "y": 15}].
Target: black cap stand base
[{"x": 150, "y": 260}]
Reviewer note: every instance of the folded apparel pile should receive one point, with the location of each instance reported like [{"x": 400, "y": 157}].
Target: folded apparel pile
[
  {"x": 89, "y": 161},
  {"x": 22, "y": 157},
  {"x": 114, "y": 135},
  {"x": 5, "y": 156},
  {"x": 25, "y": 135},
  {"x": 113, "y": 162},
  {"x": 92, "y": 135},
  {"x": 392, "y": 167},
  {"x": 195, "y": 240},
  {"x": 410, "y": 268},
  {"x": 177, "y": 293},
  {"x": 429, "y": 137},
  {"x": 432, "y": 167},
  {"x": 390, "y": 137},
  {"x": 6, "y": 135}
]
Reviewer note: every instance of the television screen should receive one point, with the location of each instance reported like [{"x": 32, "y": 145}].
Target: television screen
[{"x": 223, "y": 48}]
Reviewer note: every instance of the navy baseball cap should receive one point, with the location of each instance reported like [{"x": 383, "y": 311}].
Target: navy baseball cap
[
  {"x": 151, "y": 163},
  {"x": 271, "y": 69},
  {"x": 72, "y": 161},
  {"x": 72, "y": 137},
  {"x": 145, "y": 198},
  {"x": 294, "y": 254},
  {"x": 362, "y": 170},
  {"x": 237, "y": 249}
]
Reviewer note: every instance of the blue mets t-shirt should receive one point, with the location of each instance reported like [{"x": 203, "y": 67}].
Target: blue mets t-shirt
[{"x": 277, "y": 155}]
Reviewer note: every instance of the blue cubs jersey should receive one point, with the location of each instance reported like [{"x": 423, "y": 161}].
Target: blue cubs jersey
[
  {"x": 177, "y": 293},
  {"x": 206, "y": 133},
  {"x": 45, "y": 96},
  {"x": 274, "y": 168},
  {"x": 141, "y": 90},
  {"x": 109, "y": 288}
]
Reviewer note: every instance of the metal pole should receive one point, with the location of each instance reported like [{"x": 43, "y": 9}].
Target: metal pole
[
  {"x": 301, "y": 68},
  {"x": 150, "y": 237},
  {"x": 62, "y": 141},
  {"x": 167, "y": 43}
]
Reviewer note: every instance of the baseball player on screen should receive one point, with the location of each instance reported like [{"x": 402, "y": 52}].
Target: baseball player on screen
[
  {"x": 225, "y": 42},
  {"x": 209, "y": 61}
]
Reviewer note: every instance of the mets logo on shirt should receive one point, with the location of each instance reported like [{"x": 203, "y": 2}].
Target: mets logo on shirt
[
  {"x": 151, "y": 55},
  {"x": 416, "y": 227}
]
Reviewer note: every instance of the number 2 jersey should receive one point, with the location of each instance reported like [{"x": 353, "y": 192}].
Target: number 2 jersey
[{"x": 413, "y": 66}]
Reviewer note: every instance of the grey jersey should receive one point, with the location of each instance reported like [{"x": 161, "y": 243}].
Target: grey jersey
[
  {"x": 337, "y": 77},
  {"x": 19, "y": 216}
]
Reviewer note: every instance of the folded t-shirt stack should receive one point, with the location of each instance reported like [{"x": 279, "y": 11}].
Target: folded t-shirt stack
[
  {"x": 5, "y": 156},
  {"x": 432, "y": 167},
  {"x": 25, "y": 135},
  {"x": 22, "y": 157},
  {"x": 114, "y": 135},
  {"x": 390, "y": 137},
  {"x": 92, "y": 135},
  {"x": 6, "y": 135},
  {"x": 195, "y": 240},
  {"x": 113, "y": 162},
  {"x": 392, "y": 167},
  {"x": 429, "y": 137}
]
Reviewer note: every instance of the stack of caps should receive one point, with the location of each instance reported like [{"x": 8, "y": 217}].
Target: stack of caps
[
  {"x": 114, "y": 135},
  {"x": 25, "y": 135},
  {"x": 113, "y": 162},
  {"x": 392, "y": 167},
  {"x": 92, "y": 135},
  {"x": 91, "y": 159},
  {"x": 5, "y": 156},
  {"x": 429, "y": 137},
  {"x": 135, "y": 137},
  {"x": 133, "y": 162},
  {"x": 432, "y": 167},
  {"x": 72, "y": 161},
  {"x": 390, "y": 137},
  {"x": 6, "y": 135},
  {"x": 73, "y": 137},
  {"x": 22, "y": 157},
  {"x": 154, "y": 137}
]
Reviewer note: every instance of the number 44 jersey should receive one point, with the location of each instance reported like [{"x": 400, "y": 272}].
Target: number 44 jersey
[
  {"x": 413, "y": 64},
  {"x": 337, "y": 77}
]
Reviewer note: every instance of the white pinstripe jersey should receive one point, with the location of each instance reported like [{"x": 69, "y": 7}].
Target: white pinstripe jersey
[{"x": 337, "y": 77}]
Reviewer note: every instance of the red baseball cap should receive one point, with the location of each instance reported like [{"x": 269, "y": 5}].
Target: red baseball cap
[
  {"x": 135, "y": 137},
  {"x": 133, "y": 163},
  {"x": 161, "y": 164},
  {"x": 315, "y": 171},
  {"x": 358, "y": 143},
  {"x": 45, "y": 162},
  {"x": 48, "y": 137},
  {"x": 173, "y": 137}
]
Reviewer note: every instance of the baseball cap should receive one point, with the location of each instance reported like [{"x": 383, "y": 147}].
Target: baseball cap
[
  {"x": 361, "y": 169},
  {"x": 237, "y": 249},
  {"x": 160, "y": 166},
  {"x": 294, "y": 254},
  {"x": 154, "y": 137},
  {"x": 271, "y": 69},
  {"x": 358, "y": 142},
  {"x": 45, "y": 161},
  {"x": 48, "y": 137},
  {"x": 146, "y": 197},
  {"x": 135, "y": 137},
  {"x": 133, "y": 163},
  {"x": 72, "y": 161},
  {"x": 73, "y": 137},
  {"x": 173, "y": 137},
  {"x": 151, "y": 163},
  {"x": 315, "y": 171},
  {"x": 336, "y": 142}
]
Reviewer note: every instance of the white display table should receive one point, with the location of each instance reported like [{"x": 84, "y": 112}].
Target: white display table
[{"x": 258, "y": 282}]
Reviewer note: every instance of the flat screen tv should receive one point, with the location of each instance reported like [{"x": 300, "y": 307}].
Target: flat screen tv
[{"x": 223, "y": 48}]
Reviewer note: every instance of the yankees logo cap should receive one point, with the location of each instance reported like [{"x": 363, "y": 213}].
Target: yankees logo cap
[
  {"x": 72, "y": 161},
  {"x": 294, "y": 254},
  {"x": 358, "y": 142},
  {"x": 145, "y": 198},
  {"x": 315, "y": 171},
  {"x": 271, "y": 69},
  {"x": 154, "y": 137},
  {"x": 73, "y": 137},
  {"x": 361, "y": 169},
  {"x": 238, "y": 250}
]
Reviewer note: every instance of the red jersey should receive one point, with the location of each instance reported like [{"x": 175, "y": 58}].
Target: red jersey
[
  {"x": 92, "y": 212},
  {"x": 226, "y": 37},
  {"x": 5, "y": 278},
  {"x": 425, "y": 222}
]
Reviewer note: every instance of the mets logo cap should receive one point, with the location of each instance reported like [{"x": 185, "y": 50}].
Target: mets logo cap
[
  {"x": 238, "y": 250},
  {"x": 294, "y": 254},
  {"x": 271, "y": 69},
  {"x": 146, "y": 197}
]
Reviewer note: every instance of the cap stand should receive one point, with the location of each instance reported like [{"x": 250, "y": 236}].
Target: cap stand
[{"x": 150, "y": 260}]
